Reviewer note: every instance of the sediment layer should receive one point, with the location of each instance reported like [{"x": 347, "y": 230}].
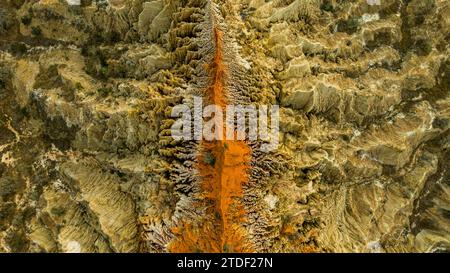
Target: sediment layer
[{"x": 88, "y": 164}]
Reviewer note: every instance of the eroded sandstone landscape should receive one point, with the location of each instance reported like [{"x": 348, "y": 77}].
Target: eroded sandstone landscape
[{"x": 88, "y": 163}]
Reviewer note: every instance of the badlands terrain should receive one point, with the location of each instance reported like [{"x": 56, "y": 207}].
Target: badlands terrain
[{"x": 88, "y": 163}]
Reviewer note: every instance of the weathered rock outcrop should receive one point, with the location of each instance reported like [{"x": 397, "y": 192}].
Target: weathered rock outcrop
[{"x": 87, "y": 163}]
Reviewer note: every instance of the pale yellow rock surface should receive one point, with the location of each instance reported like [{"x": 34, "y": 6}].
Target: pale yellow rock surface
[{"x": 88, "y": 164}]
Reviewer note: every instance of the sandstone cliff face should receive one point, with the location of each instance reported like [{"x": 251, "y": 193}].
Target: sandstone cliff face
[{"x": 87, "y": 163}]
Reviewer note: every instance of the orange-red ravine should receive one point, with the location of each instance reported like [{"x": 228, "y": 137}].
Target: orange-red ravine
[{"x": 222, "y": 181}]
